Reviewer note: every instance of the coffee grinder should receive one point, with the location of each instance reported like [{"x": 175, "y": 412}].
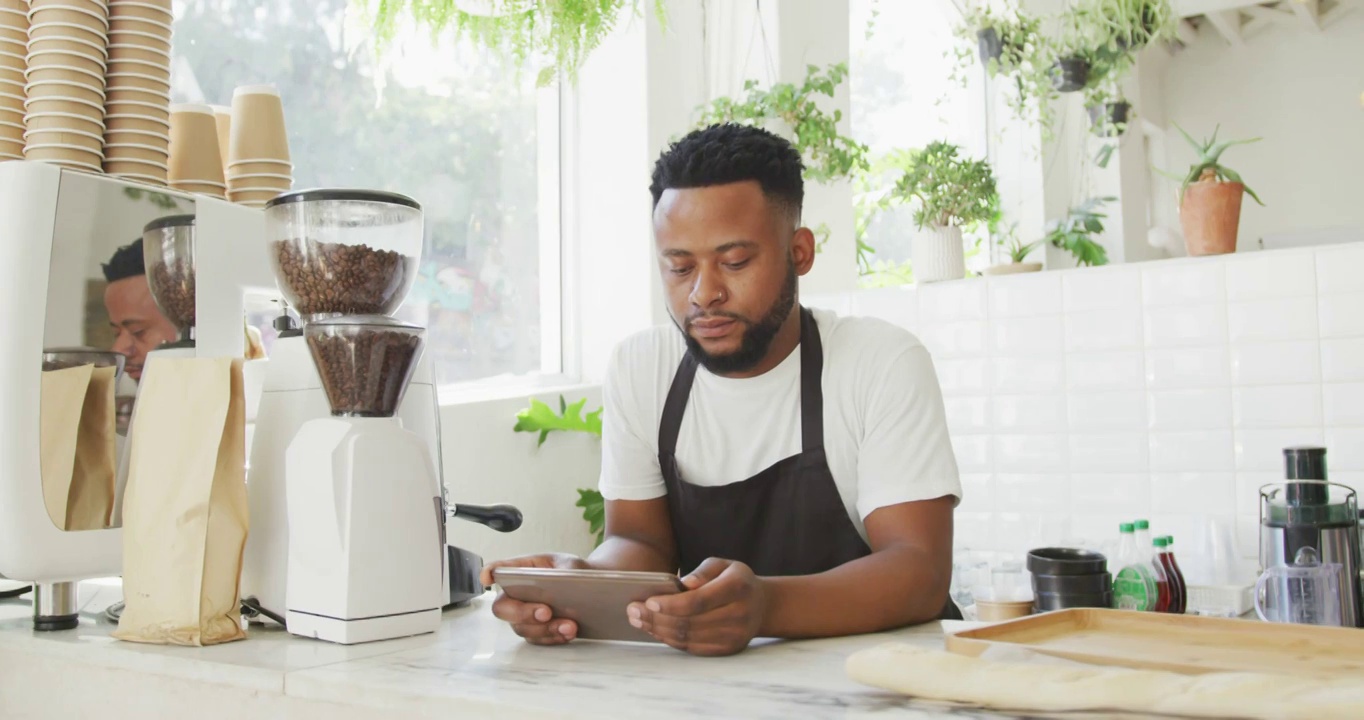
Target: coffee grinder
[
  {"x": 338, "y": 252},
  {"x": 168, "y": 259}
]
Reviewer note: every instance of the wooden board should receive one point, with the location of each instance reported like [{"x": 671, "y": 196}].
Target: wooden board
[{"x": 1187, "y": 644}]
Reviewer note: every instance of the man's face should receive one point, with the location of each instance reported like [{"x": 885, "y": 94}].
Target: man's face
[
  {"x": 140, "y": 325},
  {"x": 729, "y": 263}
]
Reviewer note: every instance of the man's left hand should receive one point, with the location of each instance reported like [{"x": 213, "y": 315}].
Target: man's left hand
[{"x": 719, "y": 613}]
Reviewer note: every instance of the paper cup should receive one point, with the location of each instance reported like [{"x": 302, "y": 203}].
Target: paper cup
[
  {"x": 14, "y": 35},
  {"x": 200, "y": 189},
  {"x": 136, "y": 151},
  {"x": 132, "y": 23},
  {"x": 155, "y": 138},
  {"x": 137, "y": 167},
  {"x": 194, "y": 146},
  {"x": 222, "y": 117},
  {"x": 138, "y": 81},
  {"x": 137, "y": 95},
  {"x": 158, "y": 112},
  {"x": 258, "y": 129},
  {"x": 60, "y": 89},
  {"x": 156, "y": 69},
  {"x": 149, "y": 10},
  {"x": 85, "y": 17},
  {"x": 87, "y": 141},
  {"x": 64, "y": 121},
  {"x": 262, "y": 179},
  {"x": 10, "y": 87},
  {"x": 260, "y": 165},
  {"x": 100, "y": 6},
  {"x": 156, "y": 38},
  {"x": 77, "y": 46},
  {"x": 12, "y": 133},
  {"x": 69, "y": 75},
  {"x": 65, "y": 153},
  {"x": 137, "y": 123},
  {"x": 14, "y": 12},
  {"x": 87, "y": 61},
  {"x": 73, "y": 32},
  {"x": 137, "y": 52},
  {"x": 12, "y": 75},
  {"x": 139, "y": 178}
]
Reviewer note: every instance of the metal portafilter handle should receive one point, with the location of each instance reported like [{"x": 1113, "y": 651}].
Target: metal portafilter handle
[{"x": 502, "y": 518}]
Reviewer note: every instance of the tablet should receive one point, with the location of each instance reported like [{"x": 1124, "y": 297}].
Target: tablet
[{"x": 595, "y": 599}]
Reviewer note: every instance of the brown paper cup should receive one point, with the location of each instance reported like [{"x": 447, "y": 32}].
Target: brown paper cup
[
  {"x": 200, "y": 189},
  {"x": 14, "y": 35},
  {"x": 66, "y": 154},
  {"x": 136, "y": 151},
  {"x": 12, "y": 75},
  {"x": 138, "y": 81},
  {"x": 14, "y": 13},
  {"x": 12, "y": 59},
  {"x": 76, "y": 46},
  {"x": 259, "y": 166},
  {"x": 260, "y": 179},
  {"x": 154, "y": 38},
  {"x": 94, "y": 111},
  {"x": 60, "y": 89},
  {"x": 132, "y": 23},
  {"x": 74, "y": 138},
  {"x": 9, "y": 87},
  {"x": 148, "y": 111},
  {"x": 87, "y": 61},
  {"x": 136, "y": 167},
  {"x": 82, "y": 16},
  {"x": 64, "y": 121},
  {"x": 194, "y": 146},
  {"x": 149, "y": 10},
  {"x": 70, "y": 75},
  {"x": 130, "y": 95},
  {"x": 156, "y": 69},
  {"x": 12, "y": 132},
  {"x": 12, "y": 101},
  {"x": 138, "y": 177},
  {"x": 100, "y": 6},
  {"x": 254, "y": 194},
  {"x": 73, "y": 32},
  {"x": 222, "y": 117},
  {"x": 258, "y": 129},
  {"x": 138, "y": 52},
  {"x": 154, "y": 138},
  {"x": 137, "y": 123}
]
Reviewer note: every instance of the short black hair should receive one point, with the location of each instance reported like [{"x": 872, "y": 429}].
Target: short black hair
[
  {"x": 127, "y": 262},
  {"x": 730, "y": 153}
]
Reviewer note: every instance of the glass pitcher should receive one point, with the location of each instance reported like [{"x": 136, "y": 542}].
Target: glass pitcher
[{"x": 1306, "y": 592}]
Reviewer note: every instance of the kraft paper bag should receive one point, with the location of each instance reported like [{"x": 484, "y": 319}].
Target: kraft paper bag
[
  {"x": 184, "y": 507},
  {"x": 63, "y": 397},
  {"x": 90, "y": 504}
]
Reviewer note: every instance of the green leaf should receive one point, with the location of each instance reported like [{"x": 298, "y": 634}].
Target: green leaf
[
  {"x": 1105, "y": 155},
  {"x": 594, "y": 512},
  {"x": 540, "y": 418}
]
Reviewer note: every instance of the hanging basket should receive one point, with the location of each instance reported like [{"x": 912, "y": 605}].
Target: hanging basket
[
  {"x": 990, "y": 45},
  {"x": 1109, "y": 119},
  {"x": 1070, "y": 74}
]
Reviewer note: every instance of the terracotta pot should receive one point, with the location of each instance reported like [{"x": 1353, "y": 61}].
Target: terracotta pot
[{"x": 1210, "y": 215}]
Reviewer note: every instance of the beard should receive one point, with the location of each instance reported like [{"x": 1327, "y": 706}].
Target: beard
[{"x": 757, "y": 336}]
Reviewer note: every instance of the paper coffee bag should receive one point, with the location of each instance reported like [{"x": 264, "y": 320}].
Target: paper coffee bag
[
  {"x": 90, "y": 504},
  {"x": 184, "y": 507},
  {"x": 63, "y": 397}
]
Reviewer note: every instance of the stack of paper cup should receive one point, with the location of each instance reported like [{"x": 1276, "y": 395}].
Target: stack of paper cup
[
  {"x": 65, "y": 92},
  {"x": 258, "y": 167},
  {"x": 137, "y": 111},
  {"x": 13, "y": 62},
  {"x": 196, "y": 166}
]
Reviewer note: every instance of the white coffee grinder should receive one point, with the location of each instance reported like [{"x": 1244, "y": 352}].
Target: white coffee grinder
[{"x": 366, "y": 522}]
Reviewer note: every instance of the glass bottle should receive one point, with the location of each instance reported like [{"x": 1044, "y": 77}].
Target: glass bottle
[{"x": 1134, "y": 584}]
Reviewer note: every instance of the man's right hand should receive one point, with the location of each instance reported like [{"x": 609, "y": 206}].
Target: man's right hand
[{"x": 533, "y": 621}]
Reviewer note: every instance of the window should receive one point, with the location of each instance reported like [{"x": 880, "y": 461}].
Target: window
[
  {"x": 450, "y": 124},
  {"x": 904, "y": 96}
]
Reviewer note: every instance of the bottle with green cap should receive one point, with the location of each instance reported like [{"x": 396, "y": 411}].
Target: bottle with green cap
[
  {"x": 1142, "y": 531},
  {"x": 1179, "y": 591},
  {"x": 1134, "y": 584}
]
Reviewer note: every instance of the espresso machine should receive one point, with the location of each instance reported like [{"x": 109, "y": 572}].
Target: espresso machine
[
  {"x": 1307, "y": 512},
  {"x": 337, "y": 253}
]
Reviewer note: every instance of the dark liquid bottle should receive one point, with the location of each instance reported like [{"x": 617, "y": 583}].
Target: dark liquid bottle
[{"x": 1179, "y": 591}]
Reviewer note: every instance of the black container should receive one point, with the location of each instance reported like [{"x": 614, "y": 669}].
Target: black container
[
  {"x": 991, "y": 47},
  {"x": 1070, "y": 74},
  {"x": 1072, "y": 584},
  {"x": 1305, "y": 463},
  {"x": 1066, "y": 561},
  {"x": 1047, "y": 602},
  {"x": 1109, "y": 119}
]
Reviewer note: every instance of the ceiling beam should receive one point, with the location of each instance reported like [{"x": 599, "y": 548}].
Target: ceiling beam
[
  {"x": 1261, "y": 12},
  {"x": 1190, "y": 8},
  {"x": 1309, "y": 12},
  {"x": 1228, "y": 23},
  {"x": 1187, "y": 33}
]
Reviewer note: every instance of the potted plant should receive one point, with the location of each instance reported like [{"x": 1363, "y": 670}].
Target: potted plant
[
  {"x": 1009, "y": 45},
  {"x": 541, "y": 419},
  {"x": 1018, "y": 252},
  {"x": 1076, "y": 232},
  {"x": 1109, "y": 112},
  {"x": 1132, "y": 24},
  {"x": 952, "y": 193},
  {"x": 1210, "y": 197},
  {"x": 564, "y": 32}
]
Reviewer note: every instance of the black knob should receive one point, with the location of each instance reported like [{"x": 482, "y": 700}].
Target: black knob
[{"x": 502, "y": 518}]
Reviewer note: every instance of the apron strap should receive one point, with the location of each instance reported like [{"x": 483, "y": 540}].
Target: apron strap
[
  {"x": 811, "y": 387},
  {"x": 676, "y": 405}
]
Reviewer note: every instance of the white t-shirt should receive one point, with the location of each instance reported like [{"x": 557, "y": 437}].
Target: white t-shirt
[{"x": 885, "y": 430}]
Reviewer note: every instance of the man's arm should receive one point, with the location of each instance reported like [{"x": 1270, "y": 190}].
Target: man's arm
[
  {"x": 904, "y": 581},
  {"x": 639, "y": 536}
]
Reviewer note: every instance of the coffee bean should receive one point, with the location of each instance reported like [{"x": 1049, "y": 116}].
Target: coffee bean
[
  {"x": 365, "y": 371},
  {"x": 173, "y": 287},
  {"x": 333, "y": 278}
]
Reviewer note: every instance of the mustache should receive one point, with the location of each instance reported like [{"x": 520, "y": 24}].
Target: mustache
[{"x": 693, "y": 317}]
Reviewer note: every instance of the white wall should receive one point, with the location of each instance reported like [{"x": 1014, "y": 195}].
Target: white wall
[
  {"x": 1081, "y": 398},
  {"x": 1301, "y": 93}
]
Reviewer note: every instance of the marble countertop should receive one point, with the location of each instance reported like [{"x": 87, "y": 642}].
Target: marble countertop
[{"x": 474, "y": 666}]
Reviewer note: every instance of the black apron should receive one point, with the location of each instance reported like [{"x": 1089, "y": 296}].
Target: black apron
[{"x": 788, "y": 519}]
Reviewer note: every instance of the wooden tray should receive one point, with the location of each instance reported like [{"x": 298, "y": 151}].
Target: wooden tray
[{"x": 1187, "y": 644}]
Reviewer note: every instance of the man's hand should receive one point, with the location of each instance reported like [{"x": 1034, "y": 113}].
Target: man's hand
[
  {"x": 718, "y": 614},
  {"x": 533, "y": 621}
]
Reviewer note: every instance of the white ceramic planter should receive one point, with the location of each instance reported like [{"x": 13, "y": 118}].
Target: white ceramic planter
[{"x": 938, "y": 255}]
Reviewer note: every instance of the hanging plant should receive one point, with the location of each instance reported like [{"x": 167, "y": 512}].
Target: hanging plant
[
  {"x": 1131, "y": 25},
  {"x": 793, "y": 111},
  {"x": 1010, "y": 45},
  {"x": 561, "y": 33}
]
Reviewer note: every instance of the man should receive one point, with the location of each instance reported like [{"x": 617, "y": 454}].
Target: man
[
  {"x": 139, "y": 324},
  {"x": 795, "y": 465}
]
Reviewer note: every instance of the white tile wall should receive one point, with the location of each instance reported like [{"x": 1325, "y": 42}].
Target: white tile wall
[{"x": 1081, "y": 398}]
